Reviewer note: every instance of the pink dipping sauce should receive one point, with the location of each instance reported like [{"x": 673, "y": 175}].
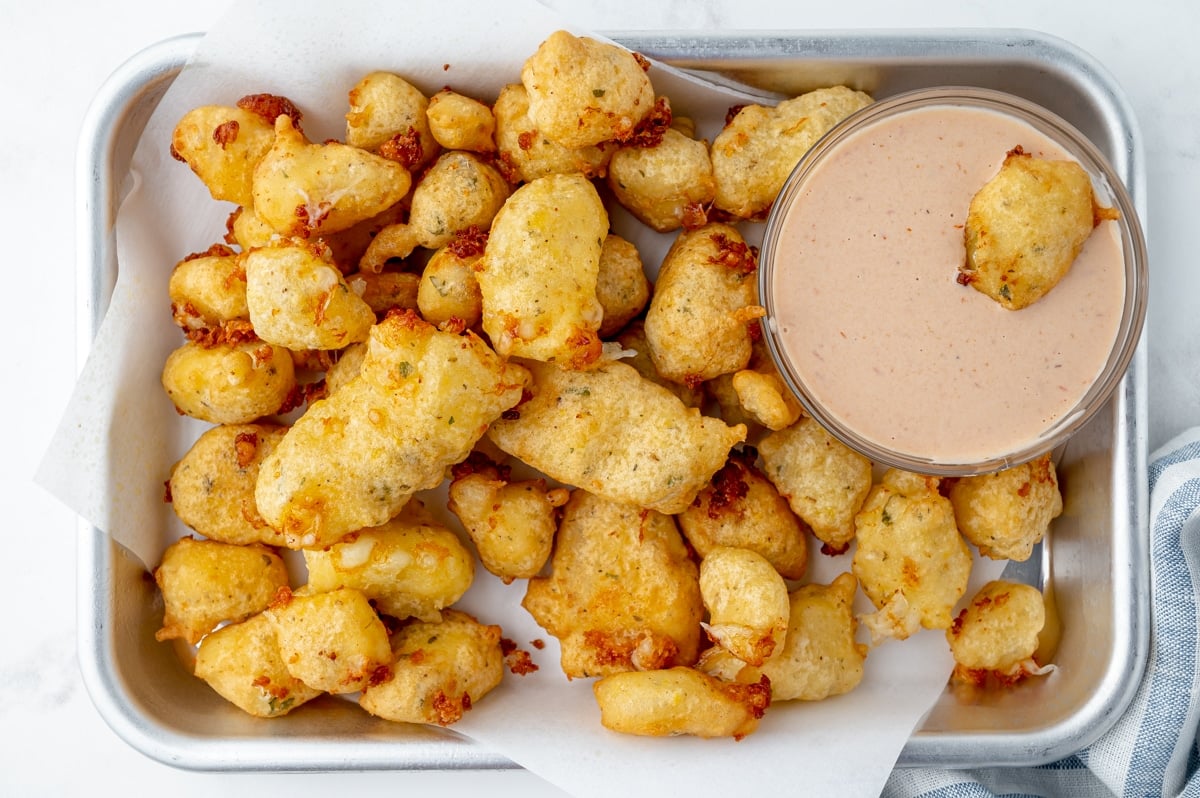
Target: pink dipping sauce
[{"x": 867, "y": 309}]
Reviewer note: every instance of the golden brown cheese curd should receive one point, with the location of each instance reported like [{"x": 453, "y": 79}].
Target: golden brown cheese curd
[
  {"x": 824, "y": 481},
  {"x": 527, "y": 154},
  {"x": 1026, "y": 226},
  {"x": 345, "y": 368},
  {"x": 757, "y": 150},
  {"x": 705, "y": 299},
  {"x": 418, "y": 404},
  {"x": 679, "y": 700},
  {"x": 742, "y": 509},
  {"x": 448, "y": 288},
  {"x": 222, "y": 145},
  {"x": 622, "y": 287},
  {"x": 386, "y": 290},
  {"x": 302, "y": 189},
  {"x": 910, "y": 560},
  {"x": 539, "y": 271},
  {"x": 1007, "y": 513},
  {"x": 212, "y": 485},
  {"x": 208, "y": 289},
  {"x": 441, "y": 669},
  {"x": 664, "y": 186},
  {"x": 298, "y": 298},
  {"x": 331, "y": 641},
  {"x": 407, "y": 569},
  {"x": 996, "y": 635},
  {"x": 622, "y": 593},
  {"x": 615, "y": 434},
  {"x": 747, "y": 603},
  {"x": 247, "y": 231},
  {"x": 511, "y": 523},
  {"x": 241, "y": 662},
  {"x": 229, "y": 382},
  {"x": 388, "y": 114},
  {"x": 459, "y": 122},
  {"x": 458, "y": 192},
  {"x": 205, "y": 583},
  {"x": 761, "y": 393},
  {"x": 635, "y": 351},
  {"x": 583, "y": 91}
]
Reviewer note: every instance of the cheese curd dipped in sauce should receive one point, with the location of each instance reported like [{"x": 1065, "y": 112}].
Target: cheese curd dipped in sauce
[{"x": 871, "y": 326}]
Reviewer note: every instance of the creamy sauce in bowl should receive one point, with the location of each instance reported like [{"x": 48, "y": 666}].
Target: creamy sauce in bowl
[{"x": 870, "y": 325}]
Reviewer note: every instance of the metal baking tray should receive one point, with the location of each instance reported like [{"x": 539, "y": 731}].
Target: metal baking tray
[{"x": 1096, "y": 559}]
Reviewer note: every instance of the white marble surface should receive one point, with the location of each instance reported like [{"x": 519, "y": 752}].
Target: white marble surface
[{"x": 53, "y": 56}]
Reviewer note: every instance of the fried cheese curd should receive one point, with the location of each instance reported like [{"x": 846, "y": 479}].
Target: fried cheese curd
[
  {"x": 459, "y": 191},
  {"x": 760, "y": 393},
  {"x": 747, "y": 603},
  {"x": 996, "y": 635},
  {"x": 420, "y": 401},
  {"x": 824, "y": 481},
  {"x": 448, "y": 288},
  {"x": 679, "y": 700},
  {"x": 820, "y": 657},
  {"x": 458, "y": 122},
  {"x": 910, "y": 559},
  {"x": 705, "y": 300},
  {"x": 665, "y": 186},
  {"x": 635, "y": 351},
  {"x": 527, "y": 154},
  {"x": 242, "y": 663},
  {"x": 388, "y": 115},
  {"x": 205, "y": 583},
  {"x": 741, "y": 508},
  {"x": 208, "y": 290},
  {"x": 539, "y": 271},
  {"x": 583, "y": 92},
  {"x": 222, "y": 145},
  {"x": 387, "y": 290},
  {"x": 615, "y": 434},
  {"x": 301, "y": 188},
  {"x": 758, "y": 148},
  {"x": 512, "y": 523},
  {"x": 622, "y": 287},
  {"x": 406, "y": 569},
  {"x": 1026, "y": 226},
  {"x": 229, "y": 382},
  {"x": 211, "y": 487},
  {"x": 622, "y": 593},
  {"x": 1007, "y": 513},
  {"x": 440, "y": 670},
  {"x": 333, "y": 642},
  {"x": 297, "y": 298}
]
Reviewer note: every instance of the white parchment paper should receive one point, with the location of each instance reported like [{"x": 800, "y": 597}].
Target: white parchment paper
[{"x": 120, "y": 434}]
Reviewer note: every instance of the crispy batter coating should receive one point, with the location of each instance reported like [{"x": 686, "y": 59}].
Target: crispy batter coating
[
  {"x": 331, "y": 641},
  {"x": 459, "y": 122},
  {"x": 248, "y": 231},
  {"x": 741, "y": 508},
  {"x": 297, "y": 298},
  {"x": 680, "y": 700},
  {"x": 386, "y": 290},
  {"x": 205, "y": 583},
  {"x": 663, "y": 186},
  {"x": 996, "y": 635},
  {"x": 621, "y": 284},
  {"x": 384, "y": 108},
  {"x": 407, "y": 569},
  {"x": 704, "y": 300},
  {"x": 222, "y": 145},
  {"x": 824, "y": 481},
  {"x": 622, "y": 593},
  {"x": 1026, "y": 226},
  {"x": 757, "y": 150},
  {"x": 633, "y": 339},
  {"x": 208, "y": 290},
  {"x": 511, "y": 523},
  {"x": 747, "y": 603},
  {"x": 229, "y": 382},
  {"x": 212, "y": 485},
  {"x": 1007, "y": 513},
  {"x": 539, "y": 271},
  {"x": 583, "y": 91},
  {"x": 241, "y": 662},
  {"x": 301, "y": 188},
  {"x": 617, "y": 435},
  {"x": 441, "y": 670},
  {"x": 527, "y": 154},
  {"x": 459, "y": 191},
  {"x": 420, "y": 401},
  {"x": 448, "y": 288},
  {"x": 761, "y": 393},
  {"x": 345, "y": 368},
  {"x": 910, "y": 560}
]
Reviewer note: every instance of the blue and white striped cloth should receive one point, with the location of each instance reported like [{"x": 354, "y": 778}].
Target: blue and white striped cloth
[{"x": 1152, "y": 750}]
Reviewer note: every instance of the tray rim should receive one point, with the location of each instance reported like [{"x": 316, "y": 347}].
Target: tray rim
[{"x": 152, "y": 69}]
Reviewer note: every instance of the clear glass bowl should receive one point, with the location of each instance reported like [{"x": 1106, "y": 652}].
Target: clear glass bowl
[{"x": 1109, "y": 191}]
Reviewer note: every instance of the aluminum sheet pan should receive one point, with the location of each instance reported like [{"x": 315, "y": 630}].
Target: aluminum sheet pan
[{"x": 1096, "y": 561}]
